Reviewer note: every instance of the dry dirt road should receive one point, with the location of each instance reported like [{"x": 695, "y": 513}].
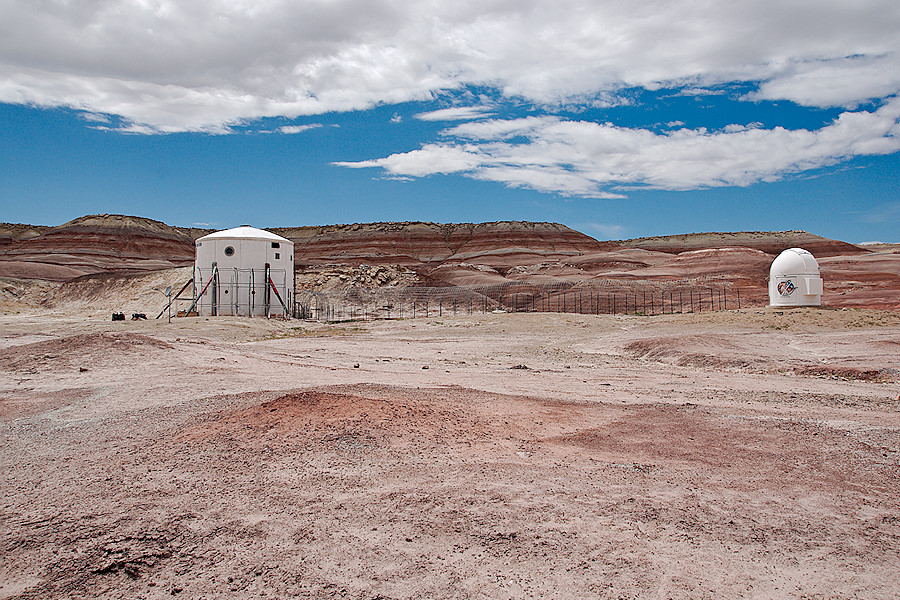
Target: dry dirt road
[{"x": 750, "y": 454}]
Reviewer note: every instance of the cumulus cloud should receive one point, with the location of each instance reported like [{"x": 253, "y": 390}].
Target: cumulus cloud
[
  {"x": 840, "y": 82},
  {"x": 158, "y": 66},
  {"x": 430, "y": 160},
  {"x": 580, "y": 158},
  {"x": 208, "y": 65}
]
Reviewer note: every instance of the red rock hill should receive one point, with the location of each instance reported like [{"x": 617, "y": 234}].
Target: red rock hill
[
  {"x": 94, "y": 244},
  {"x": 417, "y": 244},
  {"x": 416, "y": 253}
]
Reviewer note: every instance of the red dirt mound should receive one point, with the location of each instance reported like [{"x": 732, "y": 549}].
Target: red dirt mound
[
  {"x": 88, "y": 350},
  {"x": 347, "y": 422}
]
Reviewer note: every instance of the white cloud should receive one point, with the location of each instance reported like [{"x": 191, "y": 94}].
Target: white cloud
[
  {"x": 606, "y": 230},
  {"x": 94, "y": 117},
  {"x": 290, "y": 129},
  {"x": 208, "y": 65},
  {"x": 460, "y": 113},
  {"x": 134, "y": 128},
  {"x": 840, "y": 82},
  {"x": 580, "y": 158},
  {"x": 432, "y": 159}
]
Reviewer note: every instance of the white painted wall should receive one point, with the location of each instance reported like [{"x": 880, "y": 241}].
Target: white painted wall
[
  {"x": 794, "y": 279},
  {"x": 241, "y": 255}
]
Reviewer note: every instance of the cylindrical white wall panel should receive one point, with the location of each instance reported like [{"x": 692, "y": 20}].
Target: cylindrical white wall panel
[
  {"x": 794, "y": 279},
  {"x": 244, "y": 272}
]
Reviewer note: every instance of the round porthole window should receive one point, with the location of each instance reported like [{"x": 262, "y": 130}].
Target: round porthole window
[{"x": 229, "y": 251}]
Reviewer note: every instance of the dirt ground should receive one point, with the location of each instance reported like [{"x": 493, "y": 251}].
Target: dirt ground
[{"x": 742, "y": 454}]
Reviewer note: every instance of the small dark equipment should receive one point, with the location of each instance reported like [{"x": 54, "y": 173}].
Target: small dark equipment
[
  {"x": 138, "y": 317},
  {"x": 118, "y": 317}
]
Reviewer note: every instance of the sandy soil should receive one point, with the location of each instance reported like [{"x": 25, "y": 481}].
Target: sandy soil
[{"x": 751, "y": 454}]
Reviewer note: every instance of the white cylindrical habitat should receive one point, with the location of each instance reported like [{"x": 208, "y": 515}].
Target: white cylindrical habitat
[
  {"x": 794, "y": 279},
  {"x": 244, "y": 272}
]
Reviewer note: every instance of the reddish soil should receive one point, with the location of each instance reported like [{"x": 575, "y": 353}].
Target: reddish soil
[{"x": 741, "y": 454}]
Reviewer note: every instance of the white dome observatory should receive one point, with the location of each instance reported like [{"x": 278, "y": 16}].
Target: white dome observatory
[
  {"x": 244, "y": 272},
  {"x": 794, "y": 279}
]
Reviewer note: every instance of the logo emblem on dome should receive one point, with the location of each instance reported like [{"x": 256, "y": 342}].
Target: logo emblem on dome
[{"x": 786, "y": 287}]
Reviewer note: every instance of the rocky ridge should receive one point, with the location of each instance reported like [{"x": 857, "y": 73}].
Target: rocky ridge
[
  {"x": 416, "y": 253},
  {"x": 94, "y": 244}
]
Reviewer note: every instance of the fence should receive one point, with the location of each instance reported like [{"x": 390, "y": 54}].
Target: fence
[
  {"x": 586, "y": 297},
  {"x": 245, "y": 292}
]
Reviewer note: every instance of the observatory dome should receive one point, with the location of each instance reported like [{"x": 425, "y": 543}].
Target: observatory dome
[
  {"x": 244, "y": 232},
  {"x": 794, "y": 279}
]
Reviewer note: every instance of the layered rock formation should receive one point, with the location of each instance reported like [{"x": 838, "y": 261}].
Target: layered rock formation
[
  {"x": 770, "y": 242},
  {"x": 94, "y": 244},
  {"x": 338, "y": 257},
  {"x": 419, "y": 244}
]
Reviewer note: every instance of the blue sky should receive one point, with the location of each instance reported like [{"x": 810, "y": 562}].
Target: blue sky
[{"x": 618, "y": 119}]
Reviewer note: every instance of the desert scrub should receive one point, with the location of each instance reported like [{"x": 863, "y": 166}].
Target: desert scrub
[
  {"x": 301, "y": 332},
  {"x": 875, "y": 318}
]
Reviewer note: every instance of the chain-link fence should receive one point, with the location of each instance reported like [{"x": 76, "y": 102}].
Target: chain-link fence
[{"x": 584, "y": 297}]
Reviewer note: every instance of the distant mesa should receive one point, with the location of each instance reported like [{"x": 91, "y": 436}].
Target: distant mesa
[
  {"x": 94, "y": 244},
  {"x": 770, "y": 242},
  {"x": 418, "y": 253}
]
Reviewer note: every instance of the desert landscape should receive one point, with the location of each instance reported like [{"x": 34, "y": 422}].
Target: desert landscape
[{"x": 742, "y": 453}]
